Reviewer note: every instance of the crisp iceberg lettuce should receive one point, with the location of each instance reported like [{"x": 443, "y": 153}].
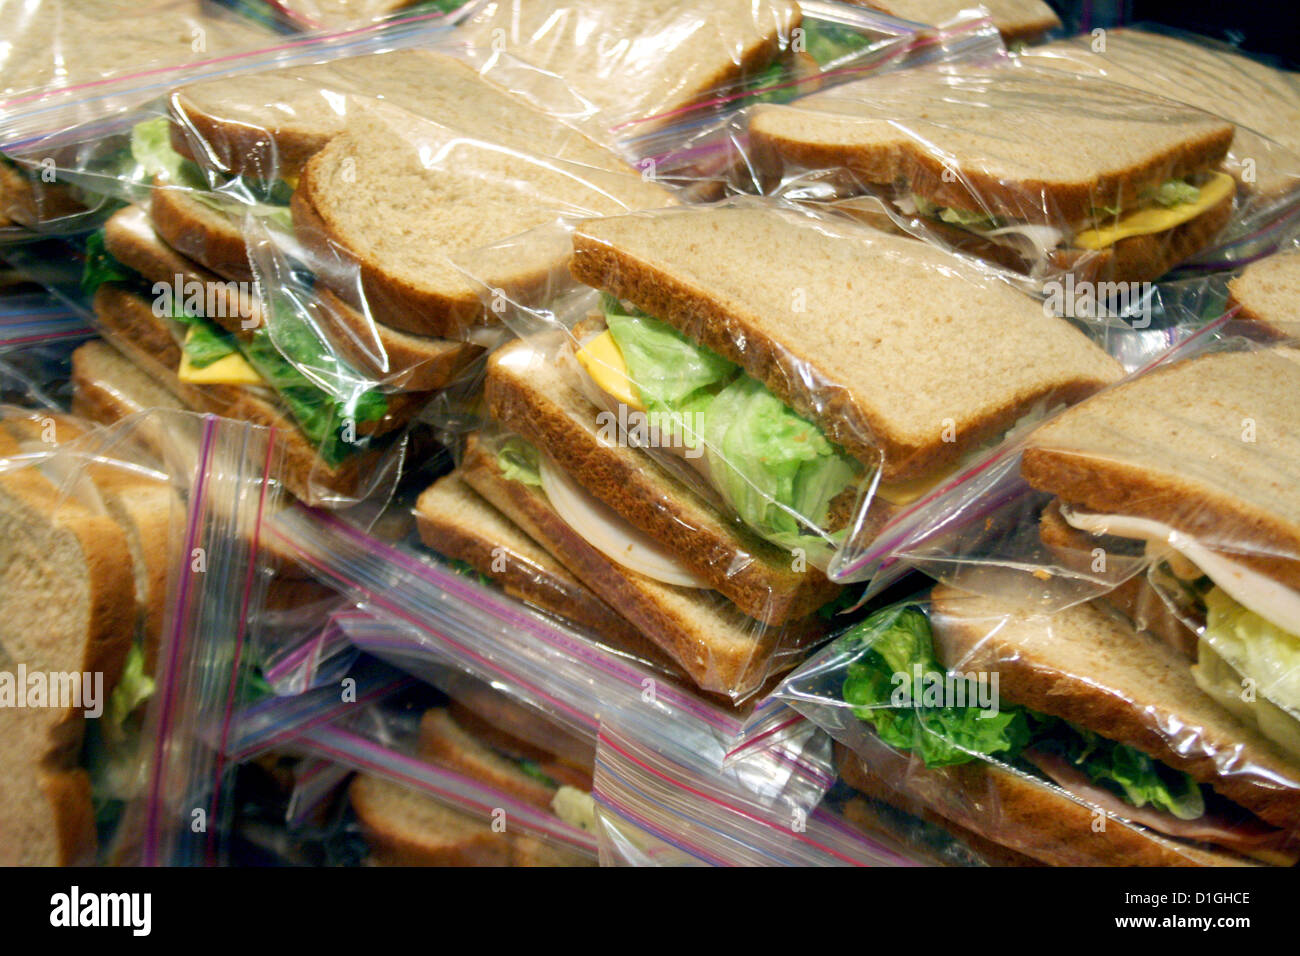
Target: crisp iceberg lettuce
[{"x": 775, "y": 469}]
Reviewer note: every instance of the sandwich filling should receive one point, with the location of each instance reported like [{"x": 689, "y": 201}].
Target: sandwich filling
[
  {"x": 593, "y": 520},
  {"x": 1157, "y": 210},
  {"x": 1113, "y": 776},
  {"x": 211, "y": 355},
  {"x": 1247, "y": 660}
]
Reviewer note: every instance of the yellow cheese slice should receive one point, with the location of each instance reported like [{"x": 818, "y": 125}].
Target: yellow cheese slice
[
  {"x": 231, "y": 370},
  {"x": 905, "y": 492},
  {"x": 1153, "y": 219},
  {"x": 604, "y": 362}
]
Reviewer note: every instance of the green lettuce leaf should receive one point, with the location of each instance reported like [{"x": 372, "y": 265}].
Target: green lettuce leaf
[
  {"x": 207, "y": 343},
  {"x": 896, "y": 642},
  {"x": 101, "y": 267},
  {"x": 1255, "y": 647},
  {"x": 1128, "y": 773},
  {"x": 665, "y": 367},
  {"x": 958, "y": 217},
  {"x": 520, "y": 461},
  {"x": 892, "y": 644},
  {"x": 773, "y": 467},
  {"x": 1173, "y": 192},
  {"x": 133, "y": 688}
]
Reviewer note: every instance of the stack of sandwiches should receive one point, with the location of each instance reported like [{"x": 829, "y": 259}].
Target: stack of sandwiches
[
  {"x": 967, "y": 157},
  {"x": 708, "y": 539},
  {"x": 83, "y": 584},
  {"x": 343, "y": 366},
  {"x": 1170, "y": 709}
]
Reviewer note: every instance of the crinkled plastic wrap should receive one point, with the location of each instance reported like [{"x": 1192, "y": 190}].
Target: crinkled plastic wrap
[
  {"x": 656, "y": 808},
  {"x": 973, "y": 156},
  {"x": 68, "y": 61},
  {"x": 634, "y": 59},
  {"x": 444, "y": 781},
  {"x": 437, "y": 621},
  {"x": 700, "y": 445},
  {"x": 153, "y": 522},
  {"x": 317, "y": 207},
  {"x": 1263, "y": 103},
  {"x": 1060, "y": 737}
]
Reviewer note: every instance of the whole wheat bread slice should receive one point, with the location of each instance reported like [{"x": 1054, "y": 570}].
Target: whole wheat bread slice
[
  {"x": 1016, "y": 20},
  {"x": 1096, "y": 672},
  {"x": 67, "y": 604},
  {"x": 200, "y": 232},
  {"x": 453, "y": 519},
  {"x": 444, "y": 741},
  {"x": 403, "y": 198},
  {"x": 988, "y": 139},
  {"x": 1026, "y": 815},
  {"x": 891, "y": 347},
  {"x": 721, "y": 650},
  {"x": 409, "y": 828},
  {"x": 398, "y": 360},
  {"x": 1207, "y": 445},
  {"x": 1263, "y": 102},
  {"x": 1268, "y": 292},
  {"x": 543, "y": 403}
]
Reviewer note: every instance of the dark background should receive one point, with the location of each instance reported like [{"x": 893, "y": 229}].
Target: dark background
[{"x": 1268, "y": 28}]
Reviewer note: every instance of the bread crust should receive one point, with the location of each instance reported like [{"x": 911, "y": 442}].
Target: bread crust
[
  {"x": 522, "y": 579},
  {"x": 1167, "y": 722},
  {"x": 1025, "y": 815},
  {"x": 753, "y": 574},
  {"x": 733, "y": 666},
  {"x": 1026, "y": 200},
  {"x": 239, "y": 148},
  {"x": 222, "y": 250},
  {"x": 1262, "y": 541}
]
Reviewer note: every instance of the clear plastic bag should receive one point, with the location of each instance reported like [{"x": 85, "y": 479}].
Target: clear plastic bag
[
  {"x": 152, "y": 522},
  {"x": 707, "y": 458},
  {"x": 1262, "y": 101},
  {"x": 964, "y": 156}
]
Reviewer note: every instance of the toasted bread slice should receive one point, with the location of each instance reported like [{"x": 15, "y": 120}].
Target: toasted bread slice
[
  {"x": 1263, "y": 102},
  {"x": 408, "y": 828},
  {"x": 453, "y": 519},
  {"x": 663, "y": 55},
  {"x": 544, "y": 404},
  {"x": 398, "y": 360},
  {"x": 1174, "y": 446},
  {"x": 985, "y": 139},
  {"x": 719, "y": 648},
  {"x": 462, "y": 188},
  {"x": 1017, "y": 20},
  {"x": 1096, "y": 672},
  {"x": 881, "y": 305},
  {"x": 1024, "y": 814},
  {"x": 1268, "y": 292}
]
